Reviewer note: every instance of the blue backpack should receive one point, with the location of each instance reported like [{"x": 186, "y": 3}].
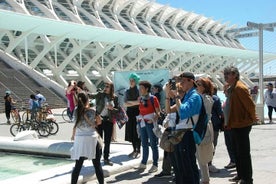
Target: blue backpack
[
  {"x": 35, "y": 105},
  {"x": 199, "y": 129}
]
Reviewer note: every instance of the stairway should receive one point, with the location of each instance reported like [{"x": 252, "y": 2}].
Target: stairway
[{"x": 22, "y": 86}]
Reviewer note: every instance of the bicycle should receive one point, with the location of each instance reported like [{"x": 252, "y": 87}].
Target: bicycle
[
  {"x": 46, "y": 115},
  {"x": 15, "y": 128},
  {"x": 42, "y": 128},
  {"x": 65, "y": 115},
  {"x": 15, "y": 115},
  {"x": 26, "y": 115}
]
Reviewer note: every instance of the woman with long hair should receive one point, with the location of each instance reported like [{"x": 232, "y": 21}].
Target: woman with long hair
[
  {"x": 106, "y": 106},
  {"x": 204, "y": 151},
  {"x": 85, "y": 138}
]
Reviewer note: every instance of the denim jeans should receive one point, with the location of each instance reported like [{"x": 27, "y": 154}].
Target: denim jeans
[{"x": 146, "y": 136}]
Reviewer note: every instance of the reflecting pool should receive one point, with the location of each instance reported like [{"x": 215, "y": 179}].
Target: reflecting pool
[{"x": 13, "y": 165}]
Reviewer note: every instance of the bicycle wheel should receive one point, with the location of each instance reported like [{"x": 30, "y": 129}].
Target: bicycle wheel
[
  {"x": 43, "y": 129},
  {"x": 53, "y": 127},
  {"x": 15, "y": 128},
  {"x": 26, "y": 116},
  {"x": 65, "y": 116}
]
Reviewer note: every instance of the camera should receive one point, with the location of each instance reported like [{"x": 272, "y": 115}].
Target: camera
[{"x": 172, "y": 82}]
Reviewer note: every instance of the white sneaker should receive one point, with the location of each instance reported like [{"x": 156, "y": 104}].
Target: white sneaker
[
  {"x": 213, "y": 169},
  {"x": 153, "y": 169},
  {"x": 142, "y": 166}
]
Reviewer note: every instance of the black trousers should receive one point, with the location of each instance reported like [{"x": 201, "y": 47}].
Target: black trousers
[
  {"x": 270, "y": 110},
  {"x": 8, "y": 113},
  {"x": 241, "y": 145},
  {"x": 97, "y": 165},
  {"x": 166, "y": 165},
  {"x": 229, "y": 145},
  {"x": 105, "y": 130},
  {"x": 186, "y": 170}
]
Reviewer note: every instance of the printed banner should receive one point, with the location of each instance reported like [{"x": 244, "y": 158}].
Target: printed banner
[{"x": 155, "y": 76}]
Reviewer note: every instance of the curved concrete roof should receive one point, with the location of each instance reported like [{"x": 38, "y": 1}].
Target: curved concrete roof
[{"x": 90, "y": 39}]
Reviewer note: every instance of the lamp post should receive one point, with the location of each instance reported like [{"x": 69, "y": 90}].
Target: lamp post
[{"x": 261, "y": 27}]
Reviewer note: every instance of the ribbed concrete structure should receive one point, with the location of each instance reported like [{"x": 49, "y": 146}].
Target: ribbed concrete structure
[{"x": 89, "y": 39}]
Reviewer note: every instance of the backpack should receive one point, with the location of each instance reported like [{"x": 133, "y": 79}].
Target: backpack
[{"x": 199, "y": 129}]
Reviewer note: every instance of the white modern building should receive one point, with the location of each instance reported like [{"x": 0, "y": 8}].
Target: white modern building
[{"x": 90, "y": 39}]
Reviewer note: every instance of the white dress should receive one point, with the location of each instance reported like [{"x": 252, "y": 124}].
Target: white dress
[{"x": 85, "y": 141}]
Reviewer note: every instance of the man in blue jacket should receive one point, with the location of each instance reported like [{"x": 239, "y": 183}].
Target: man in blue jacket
[{"x": 186, "y": 170}]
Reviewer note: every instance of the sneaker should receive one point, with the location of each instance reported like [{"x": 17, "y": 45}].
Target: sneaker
[
  {"x": 235, "y": 179},
  {"x": 213, "y": 169},
  {"x": 142, "y": 166},
  {"x": 8, "y": 122},
  {"x": 162, "y": 175},
  {"x": 230, "y": 165},
  {"x": 108, "y": 162},
  {"x": 131, "y": 154},
  {"x": 136, "y": 155},
  {"x": 153, "y": 169}
]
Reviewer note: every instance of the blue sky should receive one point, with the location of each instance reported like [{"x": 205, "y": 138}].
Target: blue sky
[{"x": 237, "y": 12}]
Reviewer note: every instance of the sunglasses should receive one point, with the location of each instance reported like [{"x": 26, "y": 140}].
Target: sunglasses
[{"x": 198, "y": 84}]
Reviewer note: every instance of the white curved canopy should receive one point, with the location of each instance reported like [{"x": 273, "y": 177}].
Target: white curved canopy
[{"x": 89, "y": 39}]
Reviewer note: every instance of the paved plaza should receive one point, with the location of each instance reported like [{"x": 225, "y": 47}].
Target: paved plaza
[{"x": 263, "y": 151}]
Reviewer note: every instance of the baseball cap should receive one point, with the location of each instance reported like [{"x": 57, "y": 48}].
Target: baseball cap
[
  {"x": 269, "y": 84},
  {"x": 187, "y": 75}
]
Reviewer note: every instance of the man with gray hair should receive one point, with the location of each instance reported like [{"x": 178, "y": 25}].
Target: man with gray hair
[{"x": 241, "y": 115}]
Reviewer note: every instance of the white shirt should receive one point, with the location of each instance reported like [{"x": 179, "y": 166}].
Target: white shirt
[{"x": 270, "y": 98}]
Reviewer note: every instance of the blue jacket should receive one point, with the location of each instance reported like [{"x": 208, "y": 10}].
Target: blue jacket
[{"x": 191, "y": 104}]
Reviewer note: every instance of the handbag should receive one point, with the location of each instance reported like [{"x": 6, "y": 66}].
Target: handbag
[
  {"x": 157, "y": 130},
  {"x": 165, "y": 144},
  {"x": 177, "y": 135},
  {"x": 120, "y": 117}
]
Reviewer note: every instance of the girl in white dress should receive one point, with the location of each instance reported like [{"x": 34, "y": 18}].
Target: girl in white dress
[{"x": 85, "y": 139}]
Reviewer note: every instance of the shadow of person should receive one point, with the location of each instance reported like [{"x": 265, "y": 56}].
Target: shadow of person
[
  {"x": 137, "y": 174},
  {"x": 224, "y": 173},
  {"x": 120, "y": 159}
]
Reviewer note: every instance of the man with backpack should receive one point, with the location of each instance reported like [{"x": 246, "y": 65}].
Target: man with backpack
[{"x": 190, "y": 106}]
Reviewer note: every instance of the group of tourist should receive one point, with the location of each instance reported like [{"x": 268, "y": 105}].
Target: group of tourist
[
  {"x": 34, "y": 104},
  {"x": 183, "y": 105}
]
